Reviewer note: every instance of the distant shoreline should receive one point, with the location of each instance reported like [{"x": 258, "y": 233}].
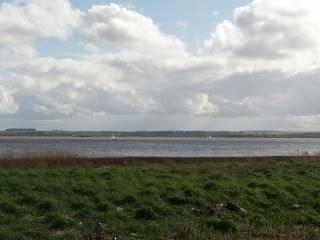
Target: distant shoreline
[
  {"x": 153, "y": 137},
  {"x": 157, "y": 134}
]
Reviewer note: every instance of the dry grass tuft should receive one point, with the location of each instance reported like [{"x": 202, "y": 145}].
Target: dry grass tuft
[
  {"x": 188, "y": 231},
  {"x": 68, "y": 159},
  {"x": 38, "y": 159}
]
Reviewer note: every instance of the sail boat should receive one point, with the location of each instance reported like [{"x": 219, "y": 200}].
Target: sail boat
[
  {"x": 113, "y": 138},
  {"x": 209, "y": 137}
]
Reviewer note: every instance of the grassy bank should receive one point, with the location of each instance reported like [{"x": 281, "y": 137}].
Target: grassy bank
[{"x": 255, "y": 198}]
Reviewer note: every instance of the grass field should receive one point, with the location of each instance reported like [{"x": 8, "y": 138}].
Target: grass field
[{"x": 254, "y": 198}]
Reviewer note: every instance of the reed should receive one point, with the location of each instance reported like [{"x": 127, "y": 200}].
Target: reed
[
  {"x": 49, "y": 159},
  {"x": 68, "y": 159}
]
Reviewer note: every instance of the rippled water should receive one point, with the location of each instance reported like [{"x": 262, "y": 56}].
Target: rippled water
[{"x": 162, "y": 146}]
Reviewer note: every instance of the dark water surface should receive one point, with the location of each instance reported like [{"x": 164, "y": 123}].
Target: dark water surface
[{"x": 162, "y": 146}]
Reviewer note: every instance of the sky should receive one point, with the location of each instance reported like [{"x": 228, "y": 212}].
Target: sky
[{"x": 160, "y": 65}]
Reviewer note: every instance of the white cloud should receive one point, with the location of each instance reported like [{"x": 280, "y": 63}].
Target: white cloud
[
  {"x": 7, "y": 104},
  {"x": 200, "y": 104},
  {"x": 32, "y": 19},
  {"x": 123, "y": 83},
  {"x": 273, "y": 34},
  {"x": 130, "y": 30}
]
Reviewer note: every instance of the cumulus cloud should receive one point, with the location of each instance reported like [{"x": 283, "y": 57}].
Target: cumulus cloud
[
  {"x": 261, "y": 65},
  {"x": 103, "y": 84},
  {"x": 25, "y": 21},
  {"x": 7, "y": 104},
  {"x": 66, "y": 87},
  {"x": 128, "y": 29},
  {"x": 271, "y": 32}
]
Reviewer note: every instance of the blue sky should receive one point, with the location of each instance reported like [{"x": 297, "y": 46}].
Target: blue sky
[{"x": 201, "y": 18}]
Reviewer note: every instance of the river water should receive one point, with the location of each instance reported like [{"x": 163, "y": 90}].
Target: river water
[{"x": 187, "y": 147}]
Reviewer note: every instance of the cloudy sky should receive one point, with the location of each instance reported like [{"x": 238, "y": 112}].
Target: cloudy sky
[{"x": 160, "y": 65}]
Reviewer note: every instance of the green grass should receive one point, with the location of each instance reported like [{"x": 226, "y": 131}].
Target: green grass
[{"x": 163, "y": 201}]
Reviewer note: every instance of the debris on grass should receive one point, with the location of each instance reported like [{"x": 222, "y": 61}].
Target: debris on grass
[
  {"x": 296, "y": 206},
  {"x": 216, "y": 208},
  {"x": 208, "y": 210},
  {"x": 235, "y": 207}
]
